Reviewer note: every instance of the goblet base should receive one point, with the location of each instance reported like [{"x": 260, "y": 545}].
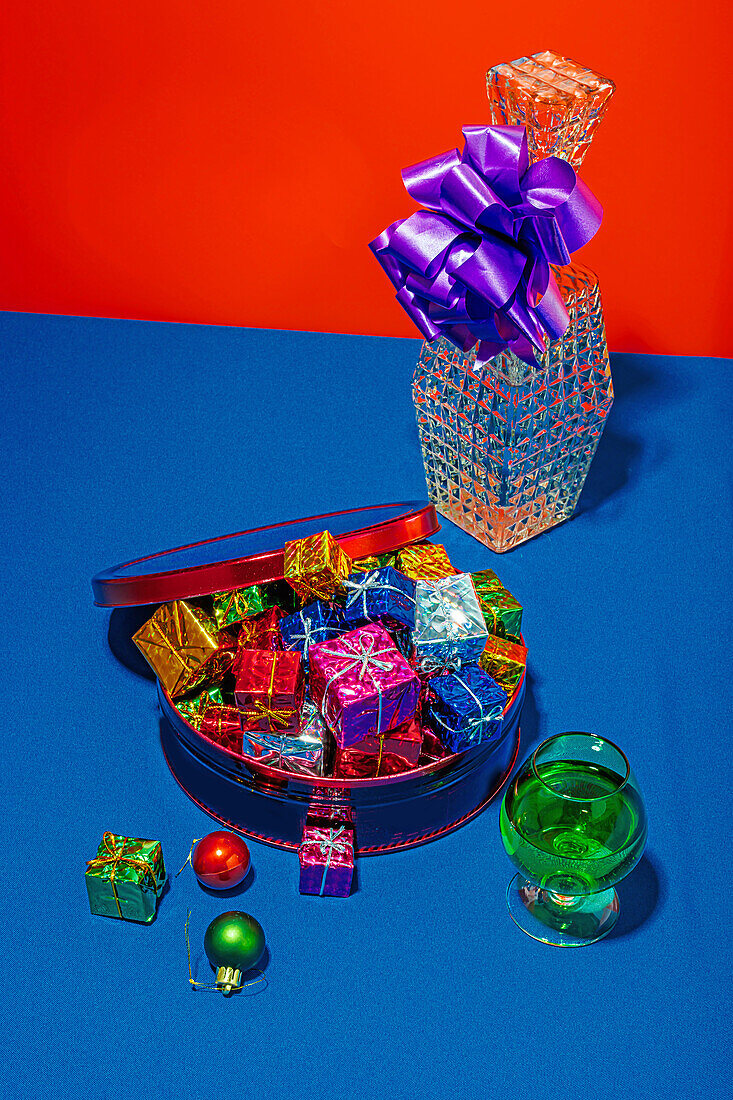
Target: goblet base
[{"x": 559, "y": 920}]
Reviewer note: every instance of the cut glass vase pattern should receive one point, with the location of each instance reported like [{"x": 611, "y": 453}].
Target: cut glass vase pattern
[
  {"x": 507, "y": 446},
  {"x": 560, "y": 102}
]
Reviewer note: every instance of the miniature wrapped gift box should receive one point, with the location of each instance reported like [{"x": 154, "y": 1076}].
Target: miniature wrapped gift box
[
  {"x": 504, "y": 661},
  {"x": 315, "y": 566},
  {"x": 465, "y": 708},
  {"x": 362, "y": 684},
  {"x": 208, "y": 713},
  {"x": 269, "y": 689},
  {"x": 317, "y": 622},
  {"x": 382, "y": 595},
  {"x": 393, "y": 752},
  {"x": 327, "y": 859},
  {"x": 242, "y": 603},
  {"x": 301, "y": 753},
  {"x": 262, "y": 631},
  {"x": 126, "y": 878},
  {"x": 374, "y": 561},
  {"x": 424, "y": 561},
  {"x": 449, "y": 624},
  {"x": 183, "y": 647},
  {"x": 502, "y": 613}
]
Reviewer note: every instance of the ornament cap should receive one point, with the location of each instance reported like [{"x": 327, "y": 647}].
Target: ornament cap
[{"x": 228, "y": 979}]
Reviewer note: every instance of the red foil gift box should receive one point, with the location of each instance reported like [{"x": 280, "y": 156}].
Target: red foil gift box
[
  {"x": 262, "y": 632},
  {"x": 327, "y": 859},
  {"x": 269, "y": 689},
  {"x": 362, "y": 684},
  {"x": 392, "y": 752},
  {"x": 224, "y": 726}
]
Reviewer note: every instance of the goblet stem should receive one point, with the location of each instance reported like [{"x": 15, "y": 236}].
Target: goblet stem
[{"x": 562, "y": 901}]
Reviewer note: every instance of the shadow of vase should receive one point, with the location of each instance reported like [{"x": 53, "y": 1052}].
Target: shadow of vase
[{"x": 617, "y": 458}]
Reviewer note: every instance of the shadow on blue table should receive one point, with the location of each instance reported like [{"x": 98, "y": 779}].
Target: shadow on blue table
[
  {"x": 123, "y": 623},
  {"x": 618, "y": 452},
  {"x": 640, "y": 896},
  {"x": 530, "y": 723}
]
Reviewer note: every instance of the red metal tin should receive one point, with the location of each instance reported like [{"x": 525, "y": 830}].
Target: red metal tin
[
  {"x": 388, "y": 814},
  {"x": 266, "y": 803}
]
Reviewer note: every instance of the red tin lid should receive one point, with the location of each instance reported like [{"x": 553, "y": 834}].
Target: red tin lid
[{"x": 257, "y": 556}]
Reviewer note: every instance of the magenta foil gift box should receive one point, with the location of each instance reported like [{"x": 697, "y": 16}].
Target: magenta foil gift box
[
  {"x": 362, "y": 684},
  {"x": 327, "y": 859}
]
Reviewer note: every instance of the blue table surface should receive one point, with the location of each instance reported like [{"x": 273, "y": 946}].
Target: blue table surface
[{"x": 123, "y": 438}]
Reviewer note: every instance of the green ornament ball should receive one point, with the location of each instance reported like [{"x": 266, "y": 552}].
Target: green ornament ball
[{"x": 234, "y": 939}]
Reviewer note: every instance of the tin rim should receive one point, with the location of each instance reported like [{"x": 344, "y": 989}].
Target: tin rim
[
  {"x": 117, "y": 587},
  {"x": 332, "y": 783}
]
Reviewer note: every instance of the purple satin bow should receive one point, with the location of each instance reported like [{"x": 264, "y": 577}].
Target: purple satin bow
[{"x": 473, "y": 264}]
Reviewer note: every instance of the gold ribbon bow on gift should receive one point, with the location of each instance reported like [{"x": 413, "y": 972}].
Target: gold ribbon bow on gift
[{"x": 115, "y": 858}]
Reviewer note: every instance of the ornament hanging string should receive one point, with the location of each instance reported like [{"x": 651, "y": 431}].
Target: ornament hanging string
[
  {"x": 209, "y": 987},
  {"x": 188, "y": 857}
]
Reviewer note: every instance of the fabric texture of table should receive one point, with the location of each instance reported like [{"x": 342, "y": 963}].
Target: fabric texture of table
[{"x": 122, "y": 438}]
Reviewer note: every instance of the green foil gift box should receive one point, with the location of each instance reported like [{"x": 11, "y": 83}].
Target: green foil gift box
[
  {"x": 243, "y": 603},
  {"x": 502, "y": 613},
  {"x": 126, "y": 878}
]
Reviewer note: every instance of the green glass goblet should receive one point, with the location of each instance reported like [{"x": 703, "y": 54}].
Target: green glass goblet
[{"x": 573, "y": 822}]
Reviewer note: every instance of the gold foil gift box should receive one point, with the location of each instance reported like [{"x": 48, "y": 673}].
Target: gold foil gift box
[
  {"x": 183, "y": 647},
  {"x": 316, "y": 566}
]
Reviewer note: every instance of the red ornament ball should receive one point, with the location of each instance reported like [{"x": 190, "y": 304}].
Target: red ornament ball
[{"x": 220, "y": 860}]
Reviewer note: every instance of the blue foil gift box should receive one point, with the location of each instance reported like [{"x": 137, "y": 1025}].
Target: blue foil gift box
[
  {"x": 381, "y": 595},
  {"x": 317, "y": 622},
  {"x": 450, "y": 630},
  {"x": 465, "y": 708}
]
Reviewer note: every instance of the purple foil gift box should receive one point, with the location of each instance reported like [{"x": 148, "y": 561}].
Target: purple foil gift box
[
  {"x": 327, "y": 859},
  {"x": 362, "y": 684}
]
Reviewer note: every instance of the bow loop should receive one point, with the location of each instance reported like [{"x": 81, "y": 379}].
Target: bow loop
[{"x": 473, "y": 264}]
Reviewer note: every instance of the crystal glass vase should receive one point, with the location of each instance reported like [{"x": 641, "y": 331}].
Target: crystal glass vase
[{"x": 506, "y": 447}]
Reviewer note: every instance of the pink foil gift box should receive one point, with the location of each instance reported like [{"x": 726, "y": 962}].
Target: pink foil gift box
[
  {"x": 362, "y": 684},
  {"x": 327, "y": 859},
  {"x": 404, "y": 742}
]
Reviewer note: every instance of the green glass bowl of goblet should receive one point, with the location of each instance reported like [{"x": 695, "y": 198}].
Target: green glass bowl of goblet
[{"x": 574, "y": 824}]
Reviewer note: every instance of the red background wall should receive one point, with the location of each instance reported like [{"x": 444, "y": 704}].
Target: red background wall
[{"x": 228, "y": 162}]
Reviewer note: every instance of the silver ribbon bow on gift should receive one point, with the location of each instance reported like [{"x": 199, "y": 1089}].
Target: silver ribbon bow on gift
[
  {"x": 309, "y": 632},
  {"x": 471, "y": 723},
  {"x": 330, "y": 844},
  {"x": 365, "y": 658},
  {"x": 370, "y": 583}
]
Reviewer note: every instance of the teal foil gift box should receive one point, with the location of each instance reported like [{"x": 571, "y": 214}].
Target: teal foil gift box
[
  {"x": 126, "y": 878},
  {"x": 450, "y": 630}
]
